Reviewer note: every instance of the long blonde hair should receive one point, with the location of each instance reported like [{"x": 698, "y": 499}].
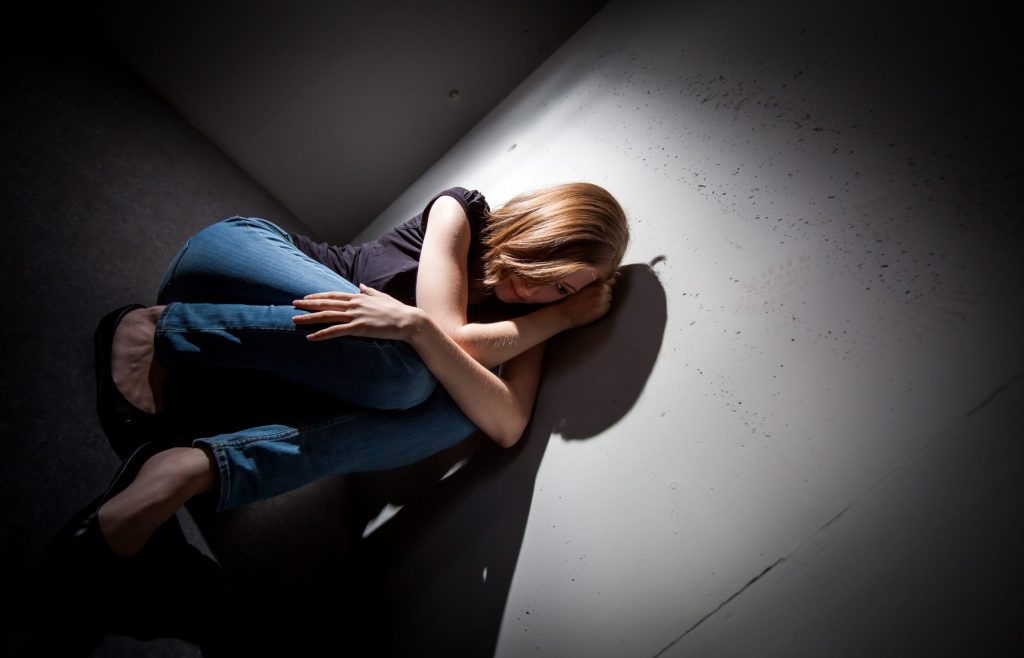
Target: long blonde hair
[{"x": 547, "y": 234}]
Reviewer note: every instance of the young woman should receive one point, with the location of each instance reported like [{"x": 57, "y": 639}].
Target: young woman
[{"x": 413, "y": 370}]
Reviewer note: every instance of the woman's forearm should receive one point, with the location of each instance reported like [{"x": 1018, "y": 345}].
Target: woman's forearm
[
  {"x": 494, "y": 343},
  {"x": 499, "y": 406}
]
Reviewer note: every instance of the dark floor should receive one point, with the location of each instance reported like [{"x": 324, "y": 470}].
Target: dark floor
[{"x": 102, "y": 183}]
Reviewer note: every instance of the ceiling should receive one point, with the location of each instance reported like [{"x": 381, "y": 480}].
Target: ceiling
[{"x": 335, "y": 108}]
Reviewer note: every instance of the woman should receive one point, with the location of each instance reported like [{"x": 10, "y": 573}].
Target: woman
[{"x": 415, "y": 371}]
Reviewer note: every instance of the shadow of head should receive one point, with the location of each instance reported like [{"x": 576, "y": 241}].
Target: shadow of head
[{"x": 593, "y": 375}]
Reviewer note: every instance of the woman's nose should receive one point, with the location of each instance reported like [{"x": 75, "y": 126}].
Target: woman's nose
[{"x": 535, "y": 294}]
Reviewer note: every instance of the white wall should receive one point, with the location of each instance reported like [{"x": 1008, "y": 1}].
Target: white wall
[{"x": 833, "y": 192}]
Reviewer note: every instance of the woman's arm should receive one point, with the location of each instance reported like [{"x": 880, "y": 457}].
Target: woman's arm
[
  {"x": 499, "y": 405},
  {"x": 459, "y": 353},
  {"x": 442, "y": 290}
]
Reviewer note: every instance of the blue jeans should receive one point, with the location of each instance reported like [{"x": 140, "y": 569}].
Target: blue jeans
[{"x": 229, "y": 294}]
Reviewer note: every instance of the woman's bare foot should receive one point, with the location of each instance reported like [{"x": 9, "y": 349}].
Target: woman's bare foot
[
  {"x": 165, "y": 482},
  {"x": 137, "y": 374}
]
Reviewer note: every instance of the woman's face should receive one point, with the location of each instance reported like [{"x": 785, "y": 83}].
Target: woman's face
[{"x": 513, "y": 290}]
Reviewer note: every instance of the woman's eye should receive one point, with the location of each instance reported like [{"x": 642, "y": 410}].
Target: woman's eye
[{"x": 562, "y": 290}]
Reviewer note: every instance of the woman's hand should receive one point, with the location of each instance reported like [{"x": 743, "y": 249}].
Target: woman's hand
[
  {"x": 372, "y": 314},
  {"x": 589, "y": 304}
]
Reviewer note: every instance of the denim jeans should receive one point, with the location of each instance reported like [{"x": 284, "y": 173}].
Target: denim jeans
[{"x": 229, "y": 294}]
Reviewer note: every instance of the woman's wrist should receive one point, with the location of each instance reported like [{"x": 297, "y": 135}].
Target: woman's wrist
[
  {"x": 418, "y": 326},
  {"x": 558, "y": 315}
]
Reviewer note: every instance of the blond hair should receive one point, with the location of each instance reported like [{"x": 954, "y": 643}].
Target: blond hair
[{"x": 548, "y": 234}]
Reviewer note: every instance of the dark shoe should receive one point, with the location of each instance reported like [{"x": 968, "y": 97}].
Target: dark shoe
[
  {"x": 126, "y": 426},
  {"x": 90, "y": 591},
  {"x": 80, "y": 540}
]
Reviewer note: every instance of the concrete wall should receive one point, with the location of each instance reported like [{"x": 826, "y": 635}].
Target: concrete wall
[
  {"x": 336, "y": 107},
  {"x": 830, "y": 193}
]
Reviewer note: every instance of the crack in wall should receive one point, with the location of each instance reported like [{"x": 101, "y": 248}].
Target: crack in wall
[
  {"x": 726, "y": 602},
  {"x": 870, "y": 491},
  {"x": 994, "y": 394}
]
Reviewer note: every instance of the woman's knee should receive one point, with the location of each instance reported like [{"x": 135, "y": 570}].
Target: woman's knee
[
  {"x": 199, "y": 247},
  {"x": 227, "y": 233}
]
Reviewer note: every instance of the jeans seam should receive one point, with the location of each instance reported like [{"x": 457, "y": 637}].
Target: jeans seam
[
  {"x": 223, "y": 469},
  {"x": 219, "y": 448},
  {"x": 173, "y": 270},
  {"x": 325, "y": 422},
  {"x": 245, "y": 440},
  {"x": 224, "y": 464},
  {"x": 291, "y": 431},
  {"x": 258, "y": 223},
  {"x": 398, "y": 351},
  {"x": 186, "y": 330}
]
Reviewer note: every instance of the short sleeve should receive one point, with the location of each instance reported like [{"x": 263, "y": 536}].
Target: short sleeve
[{"x": 473, "y": 203}]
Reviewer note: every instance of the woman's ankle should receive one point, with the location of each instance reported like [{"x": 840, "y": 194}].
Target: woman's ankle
[{"x": 164, "y": 483}]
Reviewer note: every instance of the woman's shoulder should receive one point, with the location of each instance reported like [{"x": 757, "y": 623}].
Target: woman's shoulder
[
  {"x": 470, "y": 196},
  {"x": 472, "y": 201}
]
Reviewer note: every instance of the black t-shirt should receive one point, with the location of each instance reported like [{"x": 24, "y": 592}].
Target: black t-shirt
[{"x": 390, "y": 262}]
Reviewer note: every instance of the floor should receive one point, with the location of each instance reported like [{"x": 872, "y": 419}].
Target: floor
[{"x": 102, "y": 185}]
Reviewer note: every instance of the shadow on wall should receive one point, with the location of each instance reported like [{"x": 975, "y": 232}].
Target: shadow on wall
[
  {"x": 435, "y": 579},
  {"x": 321, "y": 566},
  {"x": 596, "y": 376}
]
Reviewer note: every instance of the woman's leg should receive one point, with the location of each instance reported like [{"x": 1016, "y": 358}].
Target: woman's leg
[
  {"x": 250, "y": 465},
  {"x": 264, "y": 461},
  {"x": 245, "y": 260},
  {"x": 272, "y": 459},
  {"x": 166, "y": 481},
  {"x": 229, "y": 292},
  {"x": 373, "y": 373}
]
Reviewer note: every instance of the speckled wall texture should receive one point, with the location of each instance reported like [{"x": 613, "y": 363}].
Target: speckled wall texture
[{"x": 830, "y": 195}]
